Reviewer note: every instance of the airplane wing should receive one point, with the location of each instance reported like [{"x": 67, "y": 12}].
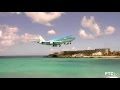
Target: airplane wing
[{"x": 58, "y": 42}]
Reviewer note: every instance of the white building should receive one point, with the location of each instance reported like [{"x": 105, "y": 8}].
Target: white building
[{"x": 97, "y": 54}]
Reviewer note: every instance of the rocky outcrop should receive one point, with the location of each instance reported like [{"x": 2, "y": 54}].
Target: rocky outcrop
[{"x": 52, "y": 55}]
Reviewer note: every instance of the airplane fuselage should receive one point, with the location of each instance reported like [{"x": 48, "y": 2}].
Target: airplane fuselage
[{"x": 58, "y": 41}]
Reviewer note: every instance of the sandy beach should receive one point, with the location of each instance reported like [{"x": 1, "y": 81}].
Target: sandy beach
[
  {"x": 101, "y": 56},
  {"x": 106, "y": 57}
]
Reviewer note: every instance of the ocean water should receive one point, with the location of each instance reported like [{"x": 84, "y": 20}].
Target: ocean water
[{"x": 39, "y": 67}]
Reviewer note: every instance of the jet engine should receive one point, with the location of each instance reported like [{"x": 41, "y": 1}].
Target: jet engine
[{"x": 51, "y": 42}]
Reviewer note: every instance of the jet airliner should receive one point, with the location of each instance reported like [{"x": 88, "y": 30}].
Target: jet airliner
[{"x": 57, "y": 41}]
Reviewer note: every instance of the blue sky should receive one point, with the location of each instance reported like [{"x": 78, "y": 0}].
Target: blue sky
[{"x": 91, "y": 30}]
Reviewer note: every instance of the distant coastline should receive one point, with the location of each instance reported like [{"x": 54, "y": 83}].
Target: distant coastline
[
  {"x": 95, "y": 53},
  {"x": 62, "y": 56},
  {"x": 102, "y": 56},
  {"x": 23, "y": 56},
  {"x": 110, "y": 57},
  {"x": 94, "y": 57}
]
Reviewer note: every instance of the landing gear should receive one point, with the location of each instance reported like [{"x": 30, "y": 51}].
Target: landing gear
[
  {"x": 53, "y": 44},
  {"x": 56, "y": 45},
  {"x": 67, "y": 43}
]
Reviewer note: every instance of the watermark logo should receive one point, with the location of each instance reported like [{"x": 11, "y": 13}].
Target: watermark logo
[{"x": 111, "y": 75}]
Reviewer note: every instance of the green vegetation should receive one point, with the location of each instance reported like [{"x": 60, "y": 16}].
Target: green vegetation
[{"x": 99, "y": 53}]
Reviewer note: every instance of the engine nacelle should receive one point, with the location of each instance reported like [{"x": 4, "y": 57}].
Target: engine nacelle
[
  {"x": 51, "y": 42},
  {"x": 40, "y": 42}
]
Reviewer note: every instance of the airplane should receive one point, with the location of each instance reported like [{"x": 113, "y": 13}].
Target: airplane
[{"x": 57, "y": 41}]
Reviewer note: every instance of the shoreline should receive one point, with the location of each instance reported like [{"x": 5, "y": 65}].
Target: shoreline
[
  {"x": 62, "y": 56},
  {"x": 102, "y": 56},
  {"x": 107, "y": 57}
]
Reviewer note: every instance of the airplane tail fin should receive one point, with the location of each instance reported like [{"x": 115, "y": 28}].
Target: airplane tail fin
[
  {"x": 41, "y": 39},
  {"x": 38, "y": 39}
]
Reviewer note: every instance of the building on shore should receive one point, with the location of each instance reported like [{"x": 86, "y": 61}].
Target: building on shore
[
  {"x": 97, "y": 54},
  {"x": 104, "y": 51},
  {"x": 81, "y": 53}
]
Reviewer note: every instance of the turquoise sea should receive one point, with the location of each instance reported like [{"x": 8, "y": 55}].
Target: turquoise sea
[{"x": 39, "y": 67}]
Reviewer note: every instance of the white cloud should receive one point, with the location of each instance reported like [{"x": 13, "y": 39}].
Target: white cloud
[
  {"x": 7, "y": 42},
  {"x": 29, "y": 37},
  {"x": 109, "y": 30},
  {"x": 9, "y": 36},
  {"x": 65, "y": 49},
  {"x": 51, "y": 32},
  {"x": 43, "y": 17},
  {"x": 89, "y": 48},
  {"x": 0, "y": 33},
  {"x": 53, "y": 50},
  {"x": 74, "y": 48},
  {"x": 93, "y": 26},
  {"x": 84, "y": 35},
  {"x": 15, "y": 12}
]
